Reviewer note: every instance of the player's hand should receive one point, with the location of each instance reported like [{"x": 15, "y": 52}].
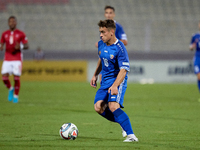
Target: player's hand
[
  {"x": 194, "y": 45},
  {"x": 17, "y": 46},
  {"x": 113, "y": 90},
  {"x": 93, "y": 82}
]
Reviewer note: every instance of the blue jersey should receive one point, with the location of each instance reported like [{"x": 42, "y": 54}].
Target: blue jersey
[
  {"x": 113, "y": 58},
  {"x": 119, "y": 32},
  {"x": 196, "y": 39}
]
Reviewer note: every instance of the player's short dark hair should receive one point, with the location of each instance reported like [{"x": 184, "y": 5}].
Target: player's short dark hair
[
  {"x": 107, "y": 23},
  {"x": 12, "y": 17},
  {"x": 109, "y": 7}
]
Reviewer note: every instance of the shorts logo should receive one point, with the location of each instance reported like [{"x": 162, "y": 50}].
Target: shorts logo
[
  {"x": 99, "y": 52},
  {"x": 111, "y": 56},
  {"x": 113, "y": 97}
]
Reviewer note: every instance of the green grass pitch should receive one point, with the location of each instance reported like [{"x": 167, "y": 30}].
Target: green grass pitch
[{"x": 163, "y": 117}]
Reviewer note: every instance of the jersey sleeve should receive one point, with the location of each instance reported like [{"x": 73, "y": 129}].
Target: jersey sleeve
[
  {"x": 120, "y": 33},
  {"x": 24, "y": 39},
  {"x": 123, "y": 60},
  {"x": 100, "y": 43},
  {"x": 99, "y": 46}
]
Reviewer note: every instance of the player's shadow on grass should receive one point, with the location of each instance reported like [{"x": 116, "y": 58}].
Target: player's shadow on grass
[
  {"x": 98, "y": 138},
  {"x": 82, "y": 137},
  {"x": 54, "y": 135}
]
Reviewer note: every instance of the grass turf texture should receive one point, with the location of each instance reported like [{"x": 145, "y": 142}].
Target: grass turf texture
[{"x": 163, "y": 116}]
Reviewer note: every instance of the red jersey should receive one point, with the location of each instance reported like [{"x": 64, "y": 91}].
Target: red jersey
[{"x": 10, "y": 38}]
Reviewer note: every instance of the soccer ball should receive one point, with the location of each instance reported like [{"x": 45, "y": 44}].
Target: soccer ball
[{"x": 69, "y": 131}]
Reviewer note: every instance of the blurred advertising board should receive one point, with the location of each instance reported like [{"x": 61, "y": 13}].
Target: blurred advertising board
[
  {"x": 175, "y": 71},
  {"x": 54, "y": 71}
]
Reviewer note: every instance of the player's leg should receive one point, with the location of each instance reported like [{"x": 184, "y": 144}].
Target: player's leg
[
  {"x": 115, "y": 102},
  {"x": 6, "y": 81},
  {"x": 123, "y": 119},
  {"x": 17, "y": 67},
  {"x": 198, "y": 81},
  {"x": 6, "y": 69},
  {"x": 17, "y": 88},
  {"x": 197, "y": 70},
  {"x": 101, "y": 107}
]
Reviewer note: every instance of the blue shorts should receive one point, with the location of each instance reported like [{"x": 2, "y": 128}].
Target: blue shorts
[
  {"x": 102, "y": 94},
  {"x": 196, "y": 64}
]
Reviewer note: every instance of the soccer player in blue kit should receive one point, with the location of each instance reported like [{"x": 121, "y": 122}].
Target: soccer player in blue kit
[
  {"x": 195, "y": 44},
  {"x": 114, "y": 64},
  {"x": 109, "y": 13}
]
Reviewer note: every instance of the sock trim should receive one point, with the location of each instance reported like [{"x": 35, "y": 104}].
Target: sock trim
[{"x": 16, "y": 96}]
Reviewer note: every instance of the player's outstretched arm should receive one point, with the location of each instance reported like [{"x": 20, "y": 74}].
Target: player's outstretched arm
[
  {"x": 120, "y": 77},
  {"x": 93, "y": 81},
  {"x": 21, "y": 46}
]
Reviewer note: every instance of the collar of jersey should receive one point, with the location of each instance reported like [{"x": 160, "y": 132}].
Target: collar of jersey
[{"x": 116, "y": 42}]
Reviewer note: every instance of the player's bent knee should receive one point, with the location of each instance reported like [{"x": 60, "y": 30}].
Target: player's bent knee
[
  {"x": 112, "y": 109},
  {"x": 113, "y": 106},
  {"x": 97, "y": 108},
  {"x": 5, "y": 75},
  {"x": 100, "y": 106}
]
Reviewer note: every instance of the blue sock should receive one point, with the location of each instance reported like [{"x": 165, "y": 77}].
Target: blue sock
[
  {"x": 108, "y": 115},
  {"x": 123, "y": 119},
  {"x": 199, "y": 85}
]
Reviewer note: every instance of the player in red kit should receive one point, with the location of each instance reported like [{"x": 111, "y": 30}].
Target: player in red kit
[{"x": 14, "y": 41}]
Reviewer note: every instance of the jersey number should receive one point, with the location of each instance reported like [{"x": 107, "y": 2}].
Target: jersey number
[{"x": 105, "y": 62}]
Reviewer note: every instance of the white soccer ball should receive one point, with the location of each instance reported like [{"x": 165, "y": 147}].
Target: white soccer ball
[{"x": 69, "y": 131}]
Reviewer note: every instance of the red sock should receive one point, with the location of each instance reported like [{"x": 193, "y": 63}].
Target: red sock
[
  {"x": 6, "y": 81},
  {"x": 17, "y": 84}
]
